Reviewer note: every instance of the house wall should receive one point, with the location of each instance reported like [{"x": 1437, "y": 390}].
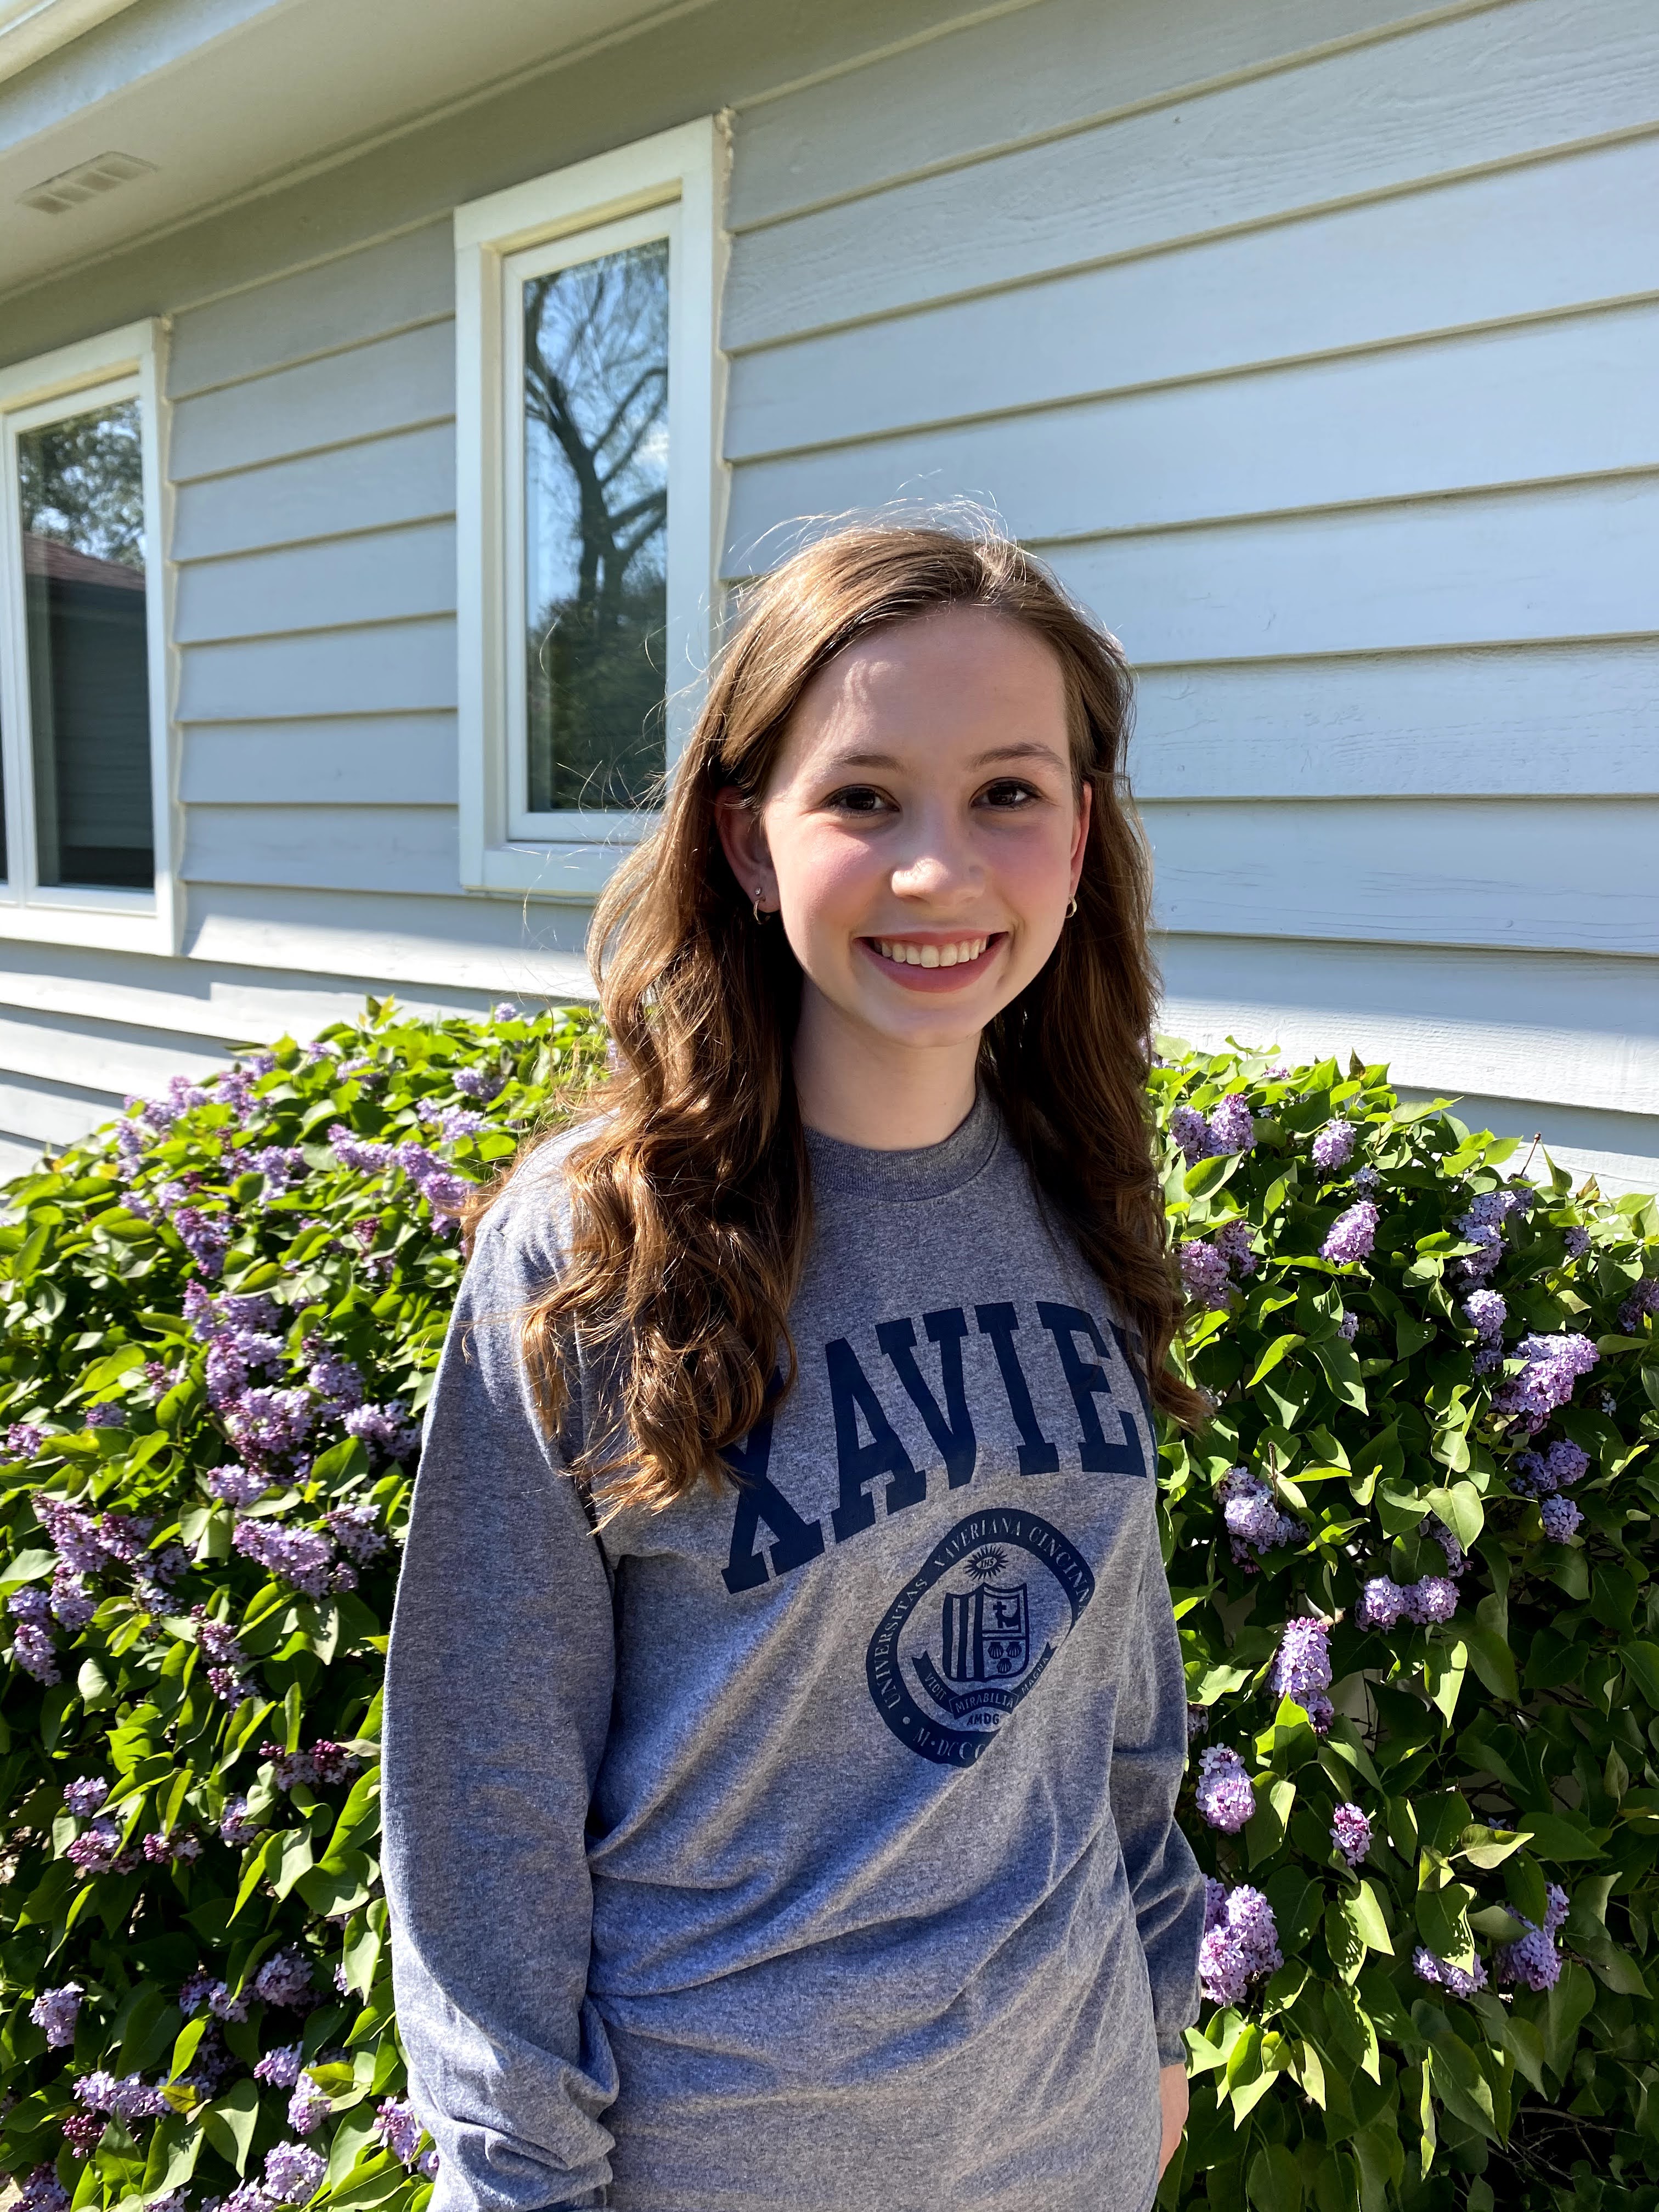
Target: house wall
[{"x": 1313, "y": 342}]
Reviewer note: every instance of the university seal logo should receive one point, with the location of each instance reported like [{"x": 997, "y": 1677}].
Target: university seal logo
[{"x": 971, "y": 1634}]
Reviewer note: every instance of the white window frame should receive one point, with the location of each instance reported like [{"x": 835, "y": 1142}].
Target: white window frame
[
  {"x": 122, "y": 364},
  {"x": 667, "y": 187}
]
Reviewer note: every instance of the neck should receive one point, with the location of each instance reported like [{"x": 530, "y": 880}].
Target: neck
[{"x": 871, "y": 1091}]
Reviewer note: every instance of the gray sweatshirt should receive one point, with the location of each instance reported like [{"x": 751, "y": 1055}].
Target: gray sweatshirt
[{"x": 808, "y": 1846}]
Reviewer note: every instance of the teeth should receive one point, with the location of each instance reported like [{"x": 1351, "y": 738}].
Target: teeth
[{"x": 931, "y": 956}]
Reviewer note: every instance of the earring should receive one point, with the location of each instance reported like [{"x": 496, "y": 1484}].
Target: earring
[
  {"x": 760, "y": 911},
  {"x": 1071, "y": 910}
]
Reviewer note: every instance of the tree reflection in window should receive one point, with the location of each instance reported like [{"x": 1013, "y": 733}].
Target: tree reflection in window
[
  {"x": 81, "y": 497},
  {"x": 596, "y": 516}
]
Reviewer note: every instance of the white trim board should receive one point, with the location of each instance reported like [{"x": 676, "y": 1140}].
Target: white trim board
[
  {"x": 128, "y": 363},
  {"x": 683, "y": 172}
]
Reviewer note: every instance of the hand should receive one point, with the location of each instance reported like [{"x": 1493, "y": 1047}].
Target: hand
[{"x": 1172, "y": 2102}]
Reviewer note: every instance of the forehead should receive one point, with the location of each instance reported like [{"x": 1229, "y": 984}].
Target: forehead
[{"x": 941, "y": 684}]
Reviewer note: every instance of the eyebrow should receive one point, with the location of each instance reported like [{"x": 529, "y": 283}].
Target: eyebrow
[{"x": 1023, "y": 748}]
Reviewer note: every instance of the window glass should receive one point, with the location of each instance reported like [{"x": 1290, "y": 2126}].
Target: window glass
[
  {"x": 596, "y": 529},
  {"x": 81, "y": 482}
]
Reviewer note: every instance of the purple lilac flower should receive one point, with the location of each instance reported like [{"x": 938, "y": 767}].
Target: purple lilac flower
[
  {"x": 353, "y": 1528},
  {"x": 235, "y": 1828},
  {"x": 269, "y": 1424},
  {"x": 124, "y": 1535},
  {"x": 24, "y": 1440},
  {"x": 1254, "y": 1522},
  {"x": 387, "y": 1427},
  {"x": 281, "y": 2067},
  {"x": 331, "y": 1762},
  {"x": 43, "y": 2193},
  {"x": 1204, "y": 1272},
  {"x": 1191, "y": 1131},
  {"x": 1231, "y": 1127},
  {"x": 1380, "y": 1604},
  {"x": 54, "y": 2010},
  {"x": 1561, "y": 1518},
  {"x": 1240, "y": 1942},
  {"x": 344, "y": 1577},
  {"x": 74, "y": 1534},
  {"x": 293, "y": 2172},
  {"x": 1302, "y": 1668},
  {"x": 290, "y": 1770},
  {"x": 1223, "y": 1793},
  {"x": 1351, "y": 1834},
  {"x": 293, "y": 1555},
  {"x": 1457, "y": 1558},
  {"x": 246, "y": 2197},
  {"x": 232, "y": 1354},
  {"x": 32, "y": 1646},
  {"x": 398, "y": 2129},
  {"x": 454, "y": 1122},
  {"x": 1351, "y": 1236},
  {"x": 85, "y": 1795},
  {"x": 83, "y": 2132},
  {"x": 1576, "y": 1241},
  {"x": 237, "y": 1485},
  {"x": 480, "y": 1083},
  {"x": 336, "y": 1379},
  {"x": 1533, "y": 1958},
  {"x": 507, "y": 1012},
  {"x": 284, "y": 1978},
  {"x": 1554, "y": 1366},
  {"x": 1456, "y": 1981},
  {"x": 129, "y": 2099},
  {"x": 1487, "y": 1312},
  {"x": 1333, "y": 1147},
  {"x": 1348, "y": 1327},
  {"x": 1234, "y": 1242},
  {"x": 1198, "y": 1721},
  {"x": 105, "y": 1417},
  {"x": 1565, "y": 1463},
  {"x": 309, "y": 2108},
  {"x": 355, "y": 1152},
  {"x": 205, "y": 1237},
  {"x": 1433, "y": 1598},
  {"x": 1642, "y": 1301},
  {"x": 231, "y": 1309},
  {"x": 282, "y": 1166},
  {"x": 1482, "y": 1226}
]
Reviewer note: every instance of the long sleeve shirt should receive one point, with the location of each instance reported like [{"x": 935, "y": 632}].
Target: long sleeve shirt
[{"x": 807, "y": 1845}]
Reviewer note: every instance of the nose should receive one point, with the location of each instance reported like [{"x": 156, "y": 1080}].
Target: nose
[{"x": 940, "y": 863}]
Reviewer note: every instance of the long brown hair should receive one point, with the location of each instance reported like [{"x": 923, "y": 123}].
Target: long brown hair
[{"x": 690, "y": 1193}]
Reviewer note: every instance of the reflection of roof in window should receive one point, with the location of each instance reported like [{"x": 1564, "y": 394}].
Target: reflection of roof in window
[{"x": 44, "y": 556}]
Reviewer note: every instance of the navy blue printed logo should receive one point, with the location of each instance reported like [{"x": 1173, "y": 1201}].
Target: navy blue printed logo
[{"x": 972, "y": 1633}]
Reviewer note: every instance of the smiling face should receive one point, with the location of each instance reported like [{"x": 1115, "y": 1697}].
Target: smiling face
[{"x": 921, "y": 832}]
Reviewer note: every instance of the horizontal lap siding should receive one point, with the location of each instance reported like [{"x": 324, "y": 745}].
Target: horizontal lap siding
[
  {"x": 1317, "y": 351},
  {"x": 312, "y": 453}
]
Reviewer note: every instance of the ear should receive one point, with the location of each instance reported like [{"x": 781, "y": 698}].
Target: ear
[
  {"x": 1081, "y": 835},
  {"x": 742, "y": 840}
]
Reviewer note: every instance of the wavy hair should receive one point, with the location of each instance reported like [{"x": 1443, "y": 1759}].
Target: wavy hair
[{"x": 688, "y": 1184}]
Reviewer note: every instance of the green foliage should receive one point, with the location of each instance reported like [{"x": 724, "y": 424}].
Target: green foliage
[
  {"x": 109, "y": 1359},
  {"x": 1510, "y": 1746}
]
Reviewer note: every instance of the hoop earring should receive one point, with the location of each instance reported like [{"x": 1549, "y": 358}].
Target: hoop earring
[
  {"x": 760, "y": 911},
  {"x": 1071, "y": 910}
]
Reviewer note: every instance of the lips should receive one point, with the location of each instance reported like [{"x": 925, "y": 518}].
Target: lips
[{"x": 935, "y": 964}]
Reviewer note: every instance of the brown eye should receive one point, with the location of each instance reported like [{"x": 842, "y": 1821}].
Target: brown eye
[
  {"x": 1009, "y": 792},
  {"x": 858, "y": 798}
]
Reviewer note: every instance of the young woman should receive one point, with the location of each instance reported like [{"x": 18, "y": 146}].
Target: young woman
[{"x": 784, "y": 1711}]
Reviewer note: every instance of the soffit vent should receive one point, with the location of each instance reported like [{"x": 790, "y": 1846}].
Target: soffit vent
[{"x": 89, "y": 181}]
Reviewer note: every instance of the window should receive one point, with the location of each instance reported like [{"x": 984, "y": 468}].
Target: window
[
  {"x": 83, "y": 752},
  {"x": 586, "y": 504}
]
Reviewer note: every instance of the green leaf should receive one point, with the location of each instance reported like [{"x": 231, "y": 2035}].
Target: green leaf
[
  {"x": 1205, "y": 1176},
  {"x": 228, "y": 2123},
  {"x": 1275, "y": 2183},
  {"x": 1492, "y": 1660},
  {"x": 1365, "y": 1915},
  {"x": 1270, "y": 1359},
  {"x": 1641, "y": 1662},
  {"x": 1560, "y": 1836}
]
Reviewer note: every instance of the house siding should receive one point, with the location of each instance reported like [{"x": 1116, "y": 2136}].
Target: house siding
[{"x": 1313, "y": 341}]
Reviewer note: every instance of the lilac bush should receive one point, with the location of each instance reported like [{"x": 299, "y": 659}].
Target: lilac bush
[
  {"x": 220, "y": 1321},
  {"x": 1412, "y": 1561}
]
